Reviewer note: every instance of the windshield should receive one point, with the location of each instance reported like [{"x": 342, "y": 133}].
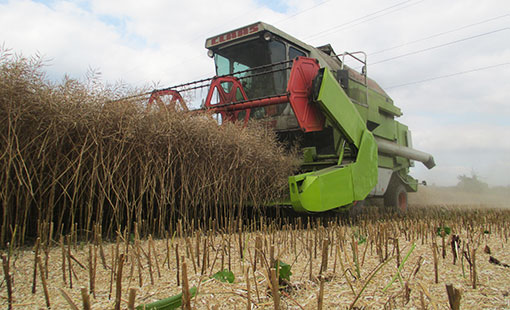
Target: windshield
[{"x": 251, "y": 54}]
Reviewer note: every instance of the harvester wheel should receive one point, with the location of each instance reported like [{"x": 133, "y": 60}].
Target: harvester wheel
[
  {"x": 167, "y": 98},
  {"x": 396, "y": 198}
]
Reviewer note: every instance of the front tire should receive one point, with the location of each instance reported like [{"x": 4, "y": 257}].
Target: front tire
[{"x": 396, "y": 198}]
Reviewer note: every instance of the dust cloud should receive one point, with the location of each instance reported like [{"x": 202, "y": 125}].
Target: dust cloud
[{"x": 498, "y": 197}]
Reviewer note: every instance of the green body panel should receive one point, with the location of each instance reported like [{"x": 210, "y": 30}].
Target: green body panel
[
  {"x": 386, "y": 129},
  {"x": 379, "y": 109},
  {"x": 338, "y": 185},
  {"x": 362, "y": 110},
  {"x": 386, "y": 161},
  {"x": 357, "y": 91},
  {"x": 339, "y": 109},
  {"x": 401, "y": 132}
]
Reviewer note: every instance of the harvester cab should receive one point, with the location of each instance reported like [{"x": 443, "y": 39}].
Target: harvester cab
[{"x": 343, "y": 121}]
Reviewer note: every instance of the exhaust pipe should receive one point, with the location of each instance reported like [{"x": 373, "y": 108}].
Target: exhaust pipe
[{"x": 392, "y": 148}]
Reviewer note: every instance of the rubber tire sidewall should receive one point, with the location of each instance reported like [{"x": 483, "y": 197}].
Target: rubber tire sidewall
[{"x": 391, "y": 198}]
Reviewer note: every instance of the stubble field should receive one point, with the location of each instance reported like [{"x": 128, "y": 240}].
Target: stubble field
[{"x": 378, "y": 261}]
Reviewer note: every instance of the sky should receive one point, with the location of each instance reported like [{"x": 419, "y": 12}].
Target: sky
[{"x": 446, "y": 64}]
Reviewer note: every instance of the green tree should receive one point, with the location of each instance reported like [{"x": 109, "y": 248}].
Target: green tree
[{"x": 472, "y": 183}]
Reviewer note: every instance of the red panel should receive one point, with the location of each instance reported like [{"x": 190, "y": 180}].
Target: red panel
[{"x": 308, "y": 115}]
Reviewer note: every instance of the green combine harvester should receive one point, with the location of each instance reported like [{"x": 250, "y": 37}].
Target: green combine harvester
[{"x": 344, "y": 122}]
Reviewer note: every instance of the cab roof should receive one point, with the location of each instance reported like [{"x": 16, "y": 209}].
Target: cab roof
[{"x": 250, "y": 31}]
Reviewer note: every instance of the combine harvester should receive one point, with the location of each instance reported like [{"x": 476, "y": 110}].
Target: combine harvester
[{"x": 344, "y": 122}]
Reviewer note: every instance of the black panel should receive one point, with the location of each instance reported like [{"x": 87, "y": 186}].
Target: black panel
[{"x": 342, "y": 77}]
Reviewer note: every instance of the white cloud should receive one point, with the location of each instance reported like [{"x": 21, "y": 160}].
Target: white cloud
[{"x": 462, "y": 120}]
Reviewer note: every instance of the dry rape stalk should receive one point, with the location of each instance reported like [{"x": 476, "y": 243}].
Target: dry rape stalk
[
  {"x": 455, "y": 244},
  {"x": 364, "y": 253},
  {"x": 132, "y": 267},
  {"x": 443, "y": 243},
  {"x": 186, "y": 298},
  {"x": 149, "y": 261},
  {"x": 407, "y": 293},
  {"x": 219, "y": 250},
  {"x": 118, "y": 285},
  {"x": 138, "y": 263},
  {"x": 422, "y": 300},
  {"x": 274, "y": 288},
  {"x": 189, "y": 251},
  {"x": 177, "y": 262},
  {"x": 248, "y": 291},
  {"x": 256, "y": 285},
  {"x": 70, "y": 266},
  {"x": 334, "y": 262},
  {"x": 112, "y": 273},
  {"x": 93, "y": 265},
  {"x": 395, "y": 243},
  {"x": 82, "y": 266},
  {"x": 475, "y": 275},
  {"x": 315, "y": 241},
  {"x": 344, "y": 272},
  {"x": 204, "y": 258},
  {"x": 34, "y": 278},
  {"x": 8, "y": 279},
  {"x": 496, "y": 261},
  {"x": 454, "y": 296},
  {"x": 62, "y": 246},
  {"x": 131, "y": 299},
  {"x": 43, "y": 280},
  {"x": 310, "y": 274},
  {"x": 222, "y": 250},
  {"x": 426, "y": 292},
  {"x": 434, "y": 253},
  {"x": 320, "y": 297},
  {"x": 168, "y": 249},
  {"x": 354, "y": 248},
  {"x": 416, "y": 269},
  {"x": 85, "y": 298},
  {"x": 99, "y": 232},
  {"x": 324, "y": 263},
  {"x": 229, "y": 250},
  {"x": 240, "y": 240},
  {"x": 125, "y": 239},
  {"x": 197, "y": 248},
  {"x": 68, "y": 299}
]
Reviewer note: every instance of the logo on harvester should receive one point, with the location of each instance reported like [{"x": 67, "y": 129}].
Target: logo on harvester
[{"x": 233, "y": 35}]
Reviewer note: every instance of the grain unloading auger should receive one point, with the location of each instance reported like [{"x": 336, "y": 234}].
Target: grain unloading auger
[{"x": 352, "y": 146}]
